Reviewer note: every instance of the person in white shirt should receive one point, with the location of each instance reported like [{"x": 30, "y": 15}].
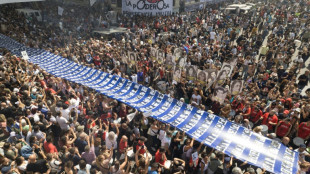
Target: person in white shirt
[
  {"x": 65, "y": 111},
  {"x": 212, "y": 35},
  {"x": 162, "y": 132},
  {"x": 62, "y": 122},
  {"x": 196, "y": 97},
  {"x": 74, "y": 102},
  {"x": 165, "y": 142},
  {"x": 83, "y": 167},
  {"x": 134, "y": 78},
  {"x": 111, "y": 138}
]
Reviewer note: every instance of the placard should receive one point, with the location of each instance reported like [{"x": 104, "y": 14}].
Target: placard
[{"x": 25, "y": 55}]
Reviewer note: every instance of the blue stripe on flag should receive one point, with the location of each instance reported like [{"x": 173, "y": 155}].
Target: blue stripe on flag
[
  {"x": 233, "y": 144},
  {"x": 277, "y": 165},
  {"x": 207, "y": 133},
  {"x": 189, "y": 117},
  {"x": 222, "y": 135},
  {"x": 178, "y": 113},
  {"x": 203, "y": 117}
]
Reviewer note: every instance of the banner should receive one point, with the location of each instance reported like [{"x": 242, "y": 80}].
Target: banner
[
  {"x": 214, "y": 131},
  {"x": 147, "y": 7},
  {"x": 60, "y": 11}
]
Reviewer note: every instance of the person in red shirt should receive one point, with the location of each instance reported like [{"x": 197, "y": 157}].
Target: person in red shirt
[
  {"x": 141, "y": 145},
  {"x": 160, "y": 157},
  {"x": 304, "y": 130},
  {"x": 264, "y": 118},
  {"x": 255, "y": 115},
  {"x": 237, "y": 105},
  {"x": 246, "y": 111},
  {"x": 270, "y": 119},
  {"x": 123, "y": 144},
  {"x": 49, "y": 147},
  {"x": 123, "y": 111},
  {"x": 283, "y": 128}
]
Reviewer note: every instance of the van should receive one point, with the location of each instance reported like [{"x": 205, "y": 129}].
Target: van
[{"x": 31, "y": 13}]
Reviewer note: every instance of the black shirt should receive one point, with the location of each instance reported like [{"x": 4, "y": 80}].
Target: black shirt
[
  {"x": 303, "y": 80},
  {"x": 39, "y": 166}
]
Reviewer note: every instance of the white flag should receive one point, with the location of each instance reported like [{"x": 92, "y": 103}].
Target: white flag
[
  {"x": 92, "y": 2},
  {"x": 25, "y": 55},
  {"x": 60, "y": 11}
]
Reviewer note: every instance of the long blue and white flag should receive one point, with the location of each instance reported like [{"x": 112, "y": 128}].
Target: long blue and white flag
[{"x": 214, "y": 131}]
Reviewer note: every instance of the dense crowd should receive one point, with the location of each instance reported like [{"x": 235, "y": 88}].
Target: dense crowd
[{"x": 51, "y": 125}]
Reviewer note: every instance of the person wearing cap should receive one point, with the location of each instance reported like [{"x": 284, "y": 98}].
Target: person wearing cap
[
  {"x": 283, "y": 128},
  {"x": 285, "y": 114},
  {"x": 302, "y": 152},
  {"x": 296, "y": 113}
]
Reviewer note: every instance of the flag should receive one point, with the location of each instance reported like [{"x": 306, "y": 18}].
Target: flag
[
  {"x": 186, "y": 49},
  {"x": 60, "y": 11},
  {"x": 92, "y": 2}
]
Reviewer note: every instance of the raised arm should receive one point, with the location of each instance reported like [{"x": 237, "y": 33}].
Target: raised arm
[
  {"x": 122, "y": 166},
  {"x": 117, "y": 130},
  {"x": 106, "y": 126},
  {"x": 29, "y": 123},
  {"x": 74, "y": 137}
]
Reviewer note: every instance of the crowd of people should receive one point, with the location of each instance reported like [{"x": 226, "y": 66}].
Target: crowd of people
[{"x": 51, "y": 125}]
